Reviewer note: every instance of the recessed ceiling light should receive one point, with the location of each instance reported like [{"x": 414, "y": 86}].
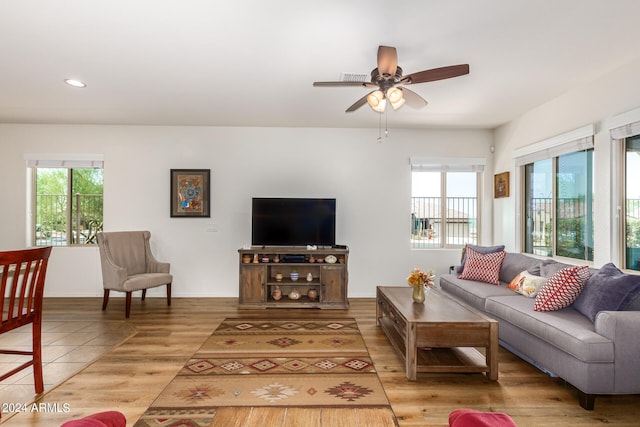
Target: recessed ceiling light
[{"x": 75, "y": 83}]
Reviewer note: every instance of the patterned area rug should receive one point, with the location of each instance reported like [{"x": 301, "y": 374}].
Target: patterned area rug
[{"x": 289, "y": 372}]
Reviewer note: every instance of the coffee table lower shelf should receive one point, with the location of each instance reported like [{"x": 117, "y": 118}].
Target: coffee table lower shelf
[
  {"x": 441, "y": 335},
  {"x": 433, "y": 360}
]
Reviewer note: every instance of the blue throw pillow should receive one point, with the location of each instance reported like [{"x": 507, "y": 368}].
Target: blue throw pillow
[{"x": 607, "y": 289}]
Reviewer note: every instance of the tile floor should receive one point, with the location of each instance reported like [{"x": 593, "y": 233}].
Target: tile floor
[{"x": 67, "y": 347}]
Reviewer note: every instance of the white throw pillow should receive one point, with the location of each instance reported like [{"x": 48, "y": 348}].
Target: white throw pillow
[{"x": 527, "y": 284}]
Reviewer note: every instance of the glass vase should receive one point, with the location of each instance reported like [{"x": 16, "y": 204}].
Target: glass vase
[{"x": 418, "y": 294}]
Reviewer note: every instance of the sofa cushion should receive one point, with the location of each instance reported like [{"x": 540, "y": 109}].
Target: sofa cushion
[
  {"x": 634, "y": 305},
  {"x": 482, "y": 249},
  {"x": 565, "y": 329},
  {"x": 146, "y": 281},
  {"x": 562, "y": 289},
  {"x": 100, "y": 419},
  {"x": 527, "y": 284},
  {"x": 515, "y": 263},
  {"x": 608, "y": 289},
  {"x": 466, "y": 417},
  {"x": 549, "y": 267},
  {"x": 483, "y": 267},
  {"x": 471, "y": 292}
]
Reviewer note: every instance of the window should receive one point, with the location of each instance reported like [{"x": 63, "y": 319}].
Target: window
[
  {"x": 558, "y": 195},
  {"x": 559, "y": 206},
  {"x": 625, "y": 136},
  {"x": 632, "y": 203},
  {"x": 67, "y": 202},
  {"x": 444, "y": 203},
  {"x": 538, "y": 186}
]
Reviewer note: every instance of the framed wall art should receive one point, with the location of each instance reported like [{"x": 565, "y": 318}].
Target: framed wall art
[
  {"x": 501, "y": 185},
  {"x": 190, "y": 193}
]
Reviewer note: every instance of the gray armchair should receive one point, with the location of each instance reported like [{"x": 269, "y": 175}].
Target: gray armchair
[{"x": 128, "y": 265}]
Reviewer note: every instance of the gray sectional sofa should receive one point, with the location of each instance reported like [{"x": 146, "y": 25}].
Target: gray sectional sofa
[{"x": 598, "y": 357}]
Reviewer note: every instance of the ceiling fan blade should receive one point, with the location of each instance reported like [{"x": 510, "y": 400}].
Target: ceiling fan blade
[
  {"x": 359, "y": 103},
  {"x": 436, "y": 74},
  {"x": 412, "y": 99},
  {"x": 387, "y": 60},
  {"x": 338, "y": 84}
]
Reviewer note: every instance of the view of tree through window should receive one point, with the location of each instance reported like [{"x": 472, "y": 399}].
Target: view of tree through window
[{"x": 68, "y": 206}]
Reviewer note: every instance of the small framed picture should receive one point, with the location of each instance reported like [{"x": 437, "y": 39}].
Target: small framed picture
[
  {"x": 190, "y": 193},
  {"x": 501, "y": 185}
]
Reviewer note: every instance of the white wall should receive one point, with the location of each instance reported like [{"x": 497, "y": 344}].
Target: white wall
[
  {"x": 596, "y": 102},
  {"x": 371, "y": 182}
]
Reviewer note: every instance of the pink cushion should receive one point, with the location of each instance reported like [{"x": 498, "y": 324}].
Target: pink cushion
[
  {"x": 561, "y": 289},
  {"x": 482, "y": 267},
  {"x": 472, "y": 418},
  {"x": 84, "y": 422},
  {"x": 101, "y": 419}
]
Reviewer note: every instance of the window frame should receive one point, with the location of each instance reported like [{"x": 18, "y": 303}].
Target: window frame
[
  {"x": 71, "y": 206},
  {"x": 579, "y": 139},
  {"x": 555, "y": 197},
  {"x": 621, "y": 127},
  {"x": 69, "y": 161},
  {"x": 445, "y": 166},
  {"x": 622, "y": 222}
]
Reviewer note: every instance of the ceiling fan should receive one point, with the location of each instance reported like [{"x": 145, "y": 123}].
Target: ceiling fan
[{"x": 387, "y": 78}]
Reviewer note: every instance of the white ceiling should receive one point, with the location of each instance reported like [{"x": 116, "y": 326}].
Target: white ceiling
[{"x": 253, "y": 62}]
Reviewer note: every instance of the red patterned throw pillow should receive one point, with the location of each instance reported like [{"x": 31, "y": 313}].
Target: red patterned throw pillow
[
  {"x": 562, "y": 289},
  {"x": 483, "y": 267}
]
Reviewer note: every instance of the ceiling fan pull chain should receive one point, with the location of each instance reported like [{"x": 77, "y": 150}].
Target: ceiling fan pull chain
[{"x": 386, "y": 123}]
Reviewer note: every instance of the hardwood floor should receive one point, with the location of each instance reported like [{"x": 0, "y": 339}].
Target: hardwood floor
[{"x": 126, "y": 374}]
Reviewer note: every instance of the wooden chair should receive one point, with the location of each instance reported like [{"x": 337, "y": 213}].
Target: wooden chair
[
  {"x": 128, "y": 265},
  {"x": 22, "y": 275}
]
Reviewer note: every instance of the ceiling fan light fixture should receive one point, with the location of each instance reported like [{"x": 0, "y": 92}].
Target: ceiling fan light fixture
[
  {"x": 397, "y": 104},
  {"x": 75, "y": 83},
  {"x": 380, "y": 107},
  {"x": 394, "y": 94},
  {"x": 376, "y": 101},
  {"x": 395, "y": 97}
]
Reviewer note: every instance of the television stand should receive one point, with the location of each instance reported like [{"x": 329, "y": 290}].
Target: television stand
[{"x": 264, "y": 270}]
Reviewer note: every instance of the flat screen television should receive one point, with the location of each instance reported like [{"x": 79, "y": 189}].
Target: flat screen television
[{"x": 293, "y": 222}]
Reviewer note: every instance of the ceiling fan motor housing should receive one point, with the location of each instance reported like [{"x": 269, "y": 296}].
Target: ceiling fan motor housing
[{"x": 385, "y": 81}]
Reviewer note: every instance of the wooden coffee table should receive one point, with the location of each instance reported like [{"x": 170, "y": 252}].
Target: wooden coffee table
[{"x": 441, "y": 335}]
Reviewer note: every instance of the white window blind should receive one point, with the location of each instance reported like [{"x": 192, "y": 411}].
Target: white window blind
[
  {"x": 447, "y": 164},
  {"x": 626, "y": 131},
  {"x": 577, "y": 140},
  {"x": 91, "y": 161},
  {"x": 625, "y": 125}
]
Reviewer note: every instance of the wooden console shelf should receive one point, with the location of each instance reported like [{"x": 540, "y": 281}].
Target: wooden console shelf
[{"x": 260, "y": 270}]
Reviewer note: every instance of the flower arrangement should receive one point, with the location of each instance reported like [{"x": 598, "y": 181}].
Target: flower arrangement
[{"x": 418, "y": 277}]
